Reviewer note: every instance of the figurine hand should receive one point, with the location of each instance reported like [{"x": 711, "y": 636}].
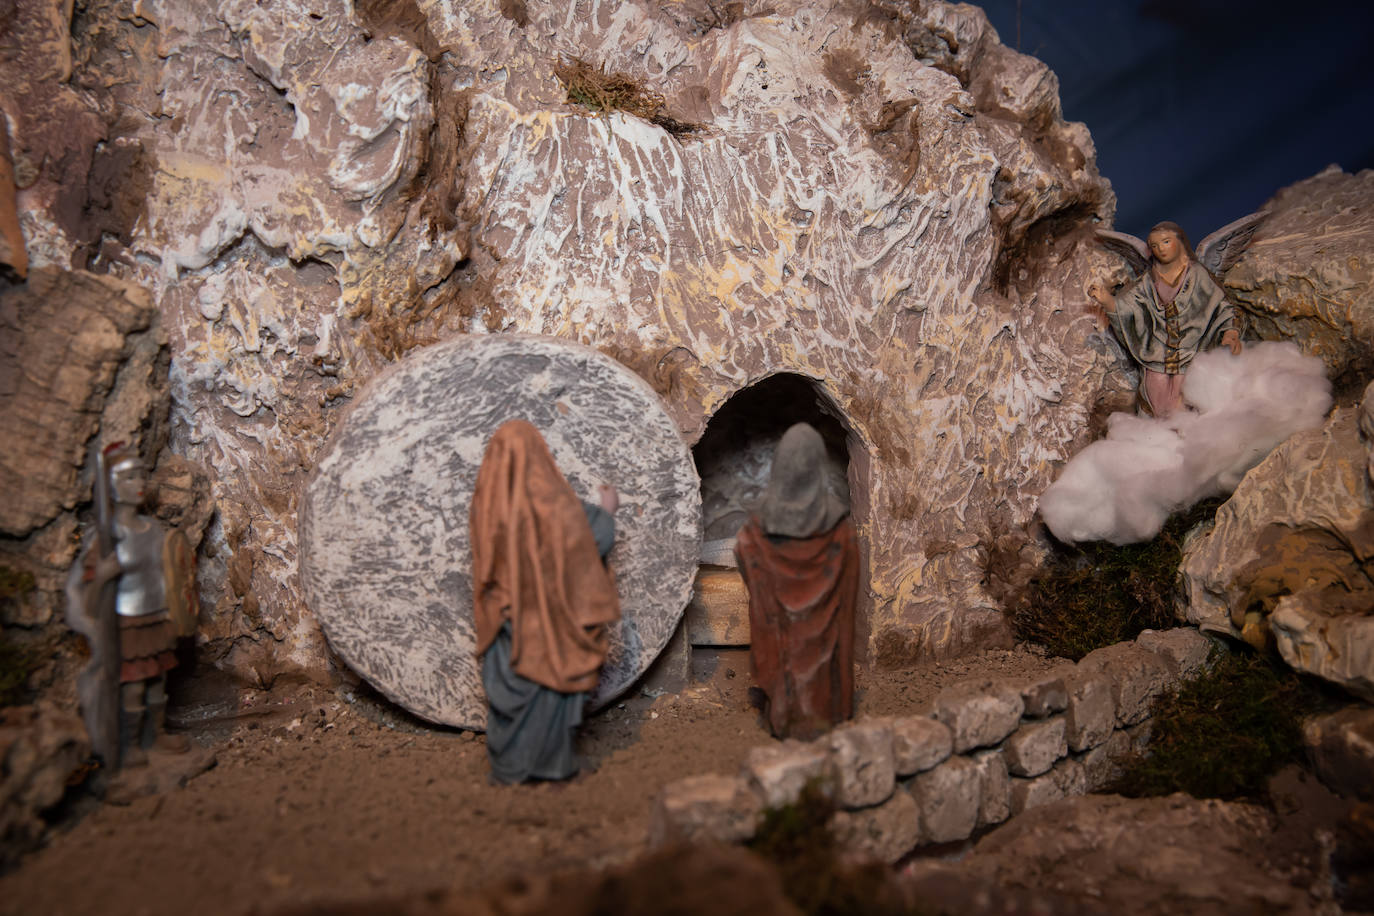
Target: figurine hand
[
  {"x": 1232, "y": 339},
  {"x": 105, "y": 568},
  {"x": 1099, "y": 294},
  {"x": 609, "y": 498}
]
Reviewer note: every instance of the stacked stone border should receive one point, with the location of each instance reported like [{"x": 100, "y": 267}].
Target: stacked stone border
[{"x": 985, "y": 751}]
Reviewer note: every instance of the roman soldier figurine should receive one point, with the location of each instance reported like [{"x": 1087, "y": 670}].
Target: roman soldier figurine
[{"x": 132, "y": 595}]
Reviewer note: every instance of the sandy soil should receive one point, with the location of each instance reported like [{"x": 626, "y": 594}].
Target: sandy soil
[{"x": 330, "y": 797}]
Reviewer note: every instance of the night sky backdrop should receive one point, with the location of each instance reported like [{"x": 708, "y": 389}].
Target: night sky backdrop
[{"x": 1202, "y": 110}]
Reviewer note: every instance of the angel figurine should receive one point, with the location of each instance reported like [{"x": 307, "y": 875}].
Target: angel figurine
[{"x": 1174, "y": 309}]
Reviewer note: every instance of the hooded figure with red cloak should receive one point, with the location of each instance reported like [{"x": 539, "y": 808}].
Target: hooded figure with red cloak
[{"x": 799, "y": 557}]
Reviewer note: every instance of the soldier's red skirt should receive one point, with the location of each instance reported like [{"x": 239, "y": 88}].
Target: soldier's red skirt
[{"x": 147, "y": 646}]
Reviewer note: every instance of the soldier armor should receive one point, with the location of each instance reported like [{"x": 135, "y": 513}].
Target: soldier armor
[{"x": 139, "y": 548}]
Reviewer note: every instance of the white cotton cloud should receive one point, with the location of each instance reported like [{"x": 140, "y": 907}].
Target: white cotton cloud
[{"x": 1122, "y": 488}]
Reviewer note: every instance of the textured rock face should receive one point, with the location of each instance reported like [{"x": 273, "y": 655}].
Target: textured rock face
[
  {"x": 1290, "y": 558},
  {"x": 1309, "y": 274},
  {"x": 874, "y": 203},
  {"x": 67, "y": 338},
  {"x": 81, "y": 356},
  {"x": 386, "y": 561},
  {"x": 41, "y": 748},
  {"x": 1341, "y": 748}
]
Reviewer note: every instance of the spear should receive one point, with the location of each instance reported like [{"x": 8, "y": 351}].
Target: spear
[{"x": 97, "y": 685}]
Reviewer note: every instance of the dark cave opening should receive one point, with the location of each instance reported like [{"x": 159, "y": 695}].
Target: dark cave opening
[
  {"x": 734, "y": 457},
  {"x": 735, "y": 452}
]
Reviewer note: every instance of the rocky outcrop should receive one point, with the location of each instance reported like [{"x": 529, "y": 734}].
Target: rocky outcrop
[
  {"x": 1308, "y": 276},
  {"x": 1290, "y": 558},
  {"x": 41, "y": 750},
  {"x": 885, "y": 202},
  {"x": 1341, "y": 748},
  {"x": 82, "y": 354}
]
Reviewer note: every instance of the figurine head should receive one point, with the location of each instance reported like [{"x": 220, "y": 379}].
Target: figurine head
[
  {"x": 128, "y": 475},
  {"x": 1168, "y": 242}
]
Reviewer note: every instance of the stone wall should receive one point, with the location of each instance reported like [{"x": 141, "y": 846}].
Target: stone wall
[{"x": 984, "y": 752}]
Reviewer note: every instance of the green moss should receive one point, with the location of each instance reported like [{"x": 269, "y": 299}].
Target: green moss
[
  {"x": 14, "y": 582},
  {"x": 1099, "y": 594},
  {"x": 16, "y": 664},
  {"x": 1222, "y": 734},
  {"x": 797, "y": 840},
  {"x": 17, "y": 661}
]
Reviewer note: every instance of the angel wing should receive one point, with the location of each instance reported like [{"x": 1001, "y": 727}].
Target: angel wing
[
  {"x": 1134, "y": 250},
  {"x": 1223, "y": 248}
]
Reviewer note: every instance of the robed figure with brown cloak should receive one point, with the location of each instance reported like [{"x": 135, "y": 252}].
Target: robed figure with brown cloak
[
  {"x": 543, "y": 599},
  {"x": 799, "y": 557}
]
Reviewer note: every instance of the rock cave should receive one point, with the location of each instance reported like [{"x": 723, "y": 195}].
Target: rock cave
[
  {"x": 303, "y": 258},
  {"x": 732, "y": 459}
]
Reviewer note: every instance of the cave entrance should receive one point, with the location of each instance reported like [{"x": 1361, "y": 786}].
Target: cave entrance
[{"x": 733, "y": 459}]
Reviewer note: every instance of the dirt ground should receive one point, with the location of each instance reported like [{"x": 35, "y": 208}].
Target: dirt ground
[{"x": 329, "y": 798}]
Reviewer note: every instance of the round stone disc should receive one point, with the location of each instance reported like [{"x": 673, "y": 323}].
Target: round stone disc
[{"x": 384, "y": 554}]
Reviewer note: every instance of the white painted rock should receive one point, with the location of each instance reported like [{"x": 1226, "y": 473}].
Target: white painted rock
[
  {"x": 884, "y": 832},
  {"x": 1091, "y": 712},
  {"x": 919, "y": 743},
  {"x": 1286, "y": 560},
  {"x": 979, "y": 714},
  {"x": 777, "y": 773},
  {"x": 994, "y": 787},
  {"x": 385, "y": 560},
  {"x": 948, "y": 798},
  {"x": 1034, "y": 747},
  {"x": 861, "y": 769}
]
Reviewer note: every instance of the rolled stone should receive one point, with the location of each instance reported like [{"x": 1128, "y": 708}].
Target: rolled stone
[
  {"x": 1044, "y": 696},
  {"x": 994, "y": 787},
  {"x": 385, "y": 562},
  {"x": 979, "y": 714},
  {"x": 1138, "y": 675},
  {"x": 1104, "y": 764},
  {"x": 777, "y": 773},
  {"x": 1341, "y": 748},
  {"x": 1090, "y": 714},
  {"x": 948, "y": 797},
  {"x": 1185, "y": 647},
  {"x": 859, "y": 766},
  {"x": 884, "y": 832},
  {"x": 919, "y": 743},
  {"x": 1034, "y": 747},
  {"x": 699, "y": 808},
  {"x": 1067, "y": 778}
]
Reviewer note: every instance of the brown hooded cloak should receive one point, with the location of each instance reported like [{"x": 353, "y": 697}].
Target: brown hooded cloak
[
  {"x": 803, "y": 584},
  {"x": 535, "y": 564}
]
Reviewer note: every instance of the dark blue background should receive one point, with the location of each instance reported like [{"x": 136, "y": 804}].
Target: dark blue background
[{"x": 1202, "y": 110}]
